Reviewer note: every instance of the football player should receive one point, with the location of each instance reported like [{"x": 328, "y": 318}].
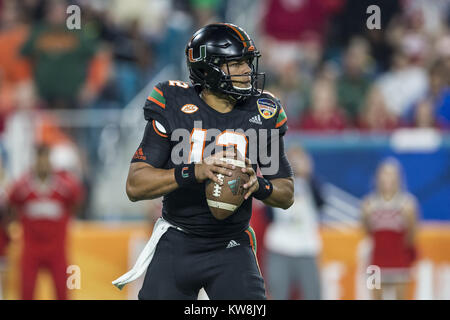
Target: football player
[{"x": 197, "y": 250}]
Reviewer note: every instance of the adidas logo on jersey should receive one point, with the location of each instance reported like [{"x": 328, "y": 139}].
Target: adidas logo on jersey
[
  {"x": 232, "y": 244},
  {"x": 256, "y": 119}
]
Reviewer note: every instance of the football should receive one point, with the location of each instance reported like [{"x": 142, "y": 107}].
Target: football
[{"x": 223, "y": 200}]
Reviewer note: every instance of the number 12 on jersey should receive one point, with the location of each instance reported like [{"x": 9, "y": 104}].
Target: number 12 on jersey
[{"x": 225, "y": 138}]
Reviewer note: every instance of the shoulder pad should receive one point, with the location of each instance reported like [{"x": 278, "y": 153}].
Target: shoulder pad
[
  {"x": 173, "y": 86},
  {"x": 269, "y": 106},
  {"x": 157, "y": 95},
  {"x": 164, "y": 91},
  {"x": 155, "y": 105},
  {"x": 160, "y": 102}
]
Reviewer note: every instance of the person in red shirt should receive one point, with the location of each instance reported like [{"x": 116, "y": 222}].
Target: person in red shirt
[
  {"x": 324, "y": 114},
  {"x": 44, "y": 201},
  {"x": 296, "y": 19},
  {"x": 389, "y": 217}
]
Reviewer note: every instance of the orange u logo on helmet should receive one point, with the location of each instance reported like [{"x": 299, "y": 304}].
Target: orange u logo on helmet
[{"x": 202, "y": 54}]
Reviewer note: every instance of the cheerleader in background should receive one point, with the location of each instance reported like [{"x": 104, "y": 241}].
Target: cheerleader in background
[{"x": 389, "y": 217}]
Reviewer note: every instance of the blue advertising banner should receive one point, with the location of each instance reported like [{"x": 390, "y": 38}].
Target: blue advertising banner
[{"x": 349, "y": 161}]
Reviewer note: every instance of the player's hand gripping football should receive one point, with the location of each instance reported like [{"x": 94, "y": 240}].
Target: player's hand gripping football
[
  {"x": 252, "y": 185},
  {"x": 208, "y": 168}
]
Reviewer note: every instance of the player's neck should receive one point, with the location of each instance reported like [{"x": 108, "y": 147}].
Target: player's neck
[{"x": 220, "y": 104}]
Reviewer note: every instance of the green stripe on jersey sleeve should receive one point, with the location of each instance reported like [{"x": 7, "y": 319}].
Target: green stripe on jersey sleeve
[{"x": 156, "y": 95}]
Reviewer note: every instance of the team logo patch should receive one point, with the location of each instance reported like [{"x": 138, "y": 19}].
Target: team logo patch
[
  {"x": 266, "y": 107},
  {"x": 139, "y": 155},
  {"x": 189, "y": 108},
  {"x": 256, "y": 119}
]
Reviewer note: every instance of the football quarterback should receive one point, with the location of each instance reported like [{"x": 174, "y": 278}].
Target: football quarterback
[{"x": 190, "y": 127}]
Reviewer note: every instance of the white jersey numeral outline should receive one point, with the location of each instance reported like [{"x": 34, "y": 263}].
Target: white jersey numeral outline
[{"x": 225, "y": 138}]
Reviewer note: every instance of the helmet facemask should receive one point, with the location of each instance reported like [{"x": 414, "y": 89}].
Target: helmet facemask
[
  {"x": 215, "y": 79},
  {"x": 226, "y": 86}
]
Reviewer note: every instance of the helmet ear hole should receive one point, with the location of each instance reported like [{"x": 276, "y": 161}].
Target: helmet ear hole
[{"x": 202, "y": 71}]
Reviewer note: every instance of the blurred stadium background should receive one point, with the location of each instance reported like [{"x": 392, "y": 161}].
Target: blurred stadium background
[{"x": 353, "y": 96}]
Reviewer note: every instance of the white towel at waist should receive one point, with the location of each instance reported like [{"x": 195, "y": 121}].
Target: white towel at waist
[{"x": 146, "y": 256}]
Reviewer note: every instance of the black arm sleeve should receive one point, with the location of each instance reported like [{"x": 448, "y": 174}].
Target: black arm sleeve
[
  {"x": 154, "y": 148},
  {"x": 284, "y": 169}
]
